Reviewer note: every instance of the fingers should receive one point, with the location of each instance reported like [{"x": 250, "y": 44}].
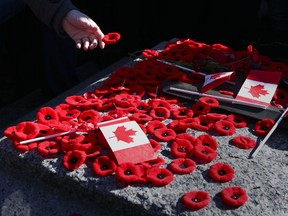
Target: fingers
[{"x": 89, "y": 43}]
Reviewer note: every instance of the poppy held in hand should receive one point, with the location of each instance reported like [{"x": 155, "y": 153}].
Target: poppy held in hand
[
  {"x": 111, "y": 38},
  {"x": 234, "y": 196},
  {"x": 196, "y": 200}
]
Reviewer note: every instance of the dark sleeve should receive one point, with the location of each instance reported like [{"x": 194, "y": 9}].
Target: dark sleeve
[{"x": 51, "y": 12}]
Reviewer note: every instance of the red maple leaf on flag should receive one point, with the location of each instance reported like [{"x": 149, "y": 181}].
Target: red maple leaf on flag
[
  {"x": 122, "y": 134},
  {"x": 257, "y": 90}
]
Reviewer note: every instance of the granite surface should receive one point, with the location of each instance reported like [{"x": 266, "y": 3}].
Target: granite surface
[{"x": 264, "y": 177}]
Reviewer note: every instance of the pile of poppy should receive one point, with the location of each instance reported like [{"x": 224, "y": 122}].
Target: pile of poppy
[{"x": 135, "y": 91}]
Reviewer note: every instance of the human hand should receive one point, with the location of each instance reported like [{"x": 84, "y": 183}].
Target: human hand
[{"x": 83, "y": 30}]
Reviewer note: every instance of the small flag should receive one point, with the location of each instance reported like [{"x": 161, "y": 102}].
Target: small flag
[
  {"x": 259, "y": 87},
  {"x": 214, "y": 80},
  {"x": 128, "y": 142}
]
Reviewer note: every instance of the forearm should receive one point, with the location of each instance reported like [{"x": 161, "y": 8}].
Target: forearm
[{"x": 51, "y": 12}]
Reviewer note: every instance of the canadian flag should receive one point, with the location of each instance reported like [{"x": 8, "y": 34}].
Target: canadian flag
[
  {"x": 127, "y": 141},
  {"x": 259, "y": 87},
  {"x": 213, "y": 80}
]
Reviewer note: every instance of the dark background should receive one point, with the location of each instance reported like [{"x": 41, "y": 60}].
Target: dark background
[{"x": 141, "y": 25}]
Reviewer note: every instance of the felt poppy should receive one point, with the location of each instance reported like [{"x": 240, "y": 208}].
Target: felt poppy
[
  {"x": 203, "y": 154},
  {"x": 159, "y": 103},
  {"x": 210, "y": 101},
  {"x": 160, "y": 113},
  {"x": 234, "y": 196},
  {"x": 221, "y": 172},
  {"x": 48, "y": 116},
  {"x": 155, "y": 145},
  {"x": 149, "y": 53},
  {"x": 195, "y": 200},
  {"x": 243, "y": 142},
  {"x": 48, "y": 148},
  {"x": 215, "y": 116},
  {"x": 186, "y": 136},
  {"x": 72, "y": 160},
  {"x": 124, "y": 99},
  {"x": 128, "y": 173},
  {"x": 180, "y": 148},
  {"x": 104, "y": 166},
  {"x": 24, "y": 147},
  {"x": 140, "y": 107},
  {"x": 154, "y": 125},
  {"x": 238, "y": 120},
  {"x": 66, "y": 112},
  {"x": 111, "y": 38},
  {"x": 159, "y": 176},
  {"x": 141, "y": 118},
  {"x": 208, "y": 140},
  {"x": 69, "y": 142},
  {"x": 26, "y": 130},
  {"x": 224, "y": 128},
  {"x": 182, "y": 166},
  {"x": 90, "y": 116},
  {"x": 187, "y": 123},
  {"x": 182, "y": 112},
  {"x": 174, "y": 125},
  {"x": 77, "y": 101},
  {"x": 44, "y": 130},
  {"x": 205, "y": 124},
  {"x": 200, "y": 108},
  {"x": 104, "y": 104},
  {"x": 155, "y": 162},
  {"x": 9, "y": 132},
  {"x": 225, "y": 92},
  {"x": 262, "y": 127},
  {"x": 165, "y": 134}
]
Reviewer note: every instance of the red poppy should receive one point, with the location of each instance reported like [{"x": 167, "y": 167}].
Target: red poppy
[
  {"x": 243, "y": 142},
  {"x": 186, "y": 136},
  {"x": 111, "y": 38},
  {"x": 159, "y": 103},
  {"x": 174, "y": 125},
  {"x": 216, "y": 116},
  {"x": 72, "y": 160},
  {"x": 155, "y": 162},
  {"x": 221, "y": 172},
  {"x": 160, "y": 113},
  {"x": 90, "y": 116},
  {"x": 200, "y": 108},
  {"x": 48, "y": 148},
  {"x": 26, "y": 130},
  {"x": 149, "y": 53},
  {"x": 180, "y": 148},
  {"x": 129, "y": 173},
  {"x": 182, "y": 166},
  {"x": 188, "y": 123},
  {"x": 44, "y": 130},
  {"x": 156, "y": 145},
  {"x": 195, "y": 200},
  {"x": 234, "y": 196},
  {"x": 69, "y": 142},
  {"x": 225, "y": 92},
  {"x": 154, "y": 125},
  {"x": 224, "y": 128},
  {"x": 238, "y": 120},
  {"x": 210, "y": 101},
  {"x": 165, "y": 134},
  {"x": 159, "y": 176},
  {"x": 140, "y": 107},
  {"x": 24, "y": 147},
  {"x": 104, "y": 104},
  {"x": 262, "y": 127},
  {"x": 77, "y": 100},
  {"x": 208, "y": 140},
  {"x": 66, "y": 112},
  {"x": 182, "y": 112},
  {"x": 141, "y": 118},
  {"x": 48, "y": 116},
  {"x": 203, "y": 154},
  {"x": 104, "y": 166},
  {"x": 205, "y": 124}
]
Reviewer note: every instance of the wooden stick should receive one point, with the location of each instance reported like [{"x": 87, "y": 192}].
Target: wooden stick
[
  {"x": 231, "y": 100},
  {"x": 47, "y": 137},
  {"x": 257, "y": 148}
]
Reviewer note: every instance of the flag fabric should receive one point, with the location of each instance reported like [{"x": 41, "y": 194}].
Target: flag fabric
[
  {"x": 128, "y": 142},
  {"x": 213, "y": 80},
  {"x": 259, "y": 87}
]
